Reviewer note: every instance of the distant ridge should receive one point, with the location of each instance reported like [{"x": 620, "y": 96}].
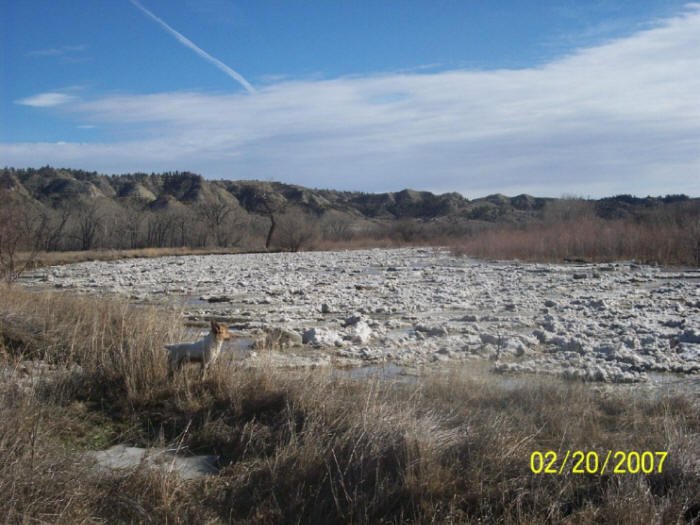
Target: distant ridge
[
  {"x": 183, "y": 208},
  {"x": 53, "y": 187}
]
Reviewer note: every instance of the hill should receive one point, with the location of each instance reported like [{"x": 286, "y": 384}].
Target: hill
[{"x": 75, "y": 209}]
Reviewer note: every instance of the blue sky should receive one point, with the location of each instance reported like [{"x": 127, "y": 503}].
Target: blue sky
[{"x": 552, "y": 97}]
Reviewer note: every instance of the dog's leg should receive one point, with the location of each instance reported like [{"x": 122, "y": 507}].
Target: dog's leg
[
  {"x": 171, "y": 366},
  {"x": 175, "y": 364}
]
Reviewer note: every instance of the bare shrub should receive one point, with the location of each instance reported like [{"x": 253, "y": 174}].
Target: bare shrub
[
  {"x": 589, "y": 239},
  {"x": 407, "y": 230},
  {"x": 336, "y": 226},
  {"x": 296, "y": 230}
]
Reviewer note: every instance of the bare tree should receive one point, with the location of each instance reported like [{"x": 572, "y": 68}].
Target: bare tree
[
  {"x": 296, "y": 230},
  {"x": 271, "y": 231},
  {"x": 132, "y": 222},
  {"x": 183, "y": 226},
  {"x": 272, "y": 210},
  {"x": 224, "y": 221},
  {"x": 21, "y": 230},
  {"x": 87, "y": 225},
  {"x": 11, "y": 237},
  {"x": 159, "y": 228},
  {"x": 56, "y": 221}
]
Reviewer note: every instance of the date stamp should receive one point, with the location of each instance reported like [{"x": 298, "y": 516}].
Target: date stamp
[{"x": 592, "y": 463}]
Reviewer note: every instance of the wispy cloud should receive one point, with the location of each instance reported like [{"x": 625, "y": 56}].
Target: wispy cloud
[
  {"x": 191, "y": 45},
  {"x": 66, "y": 54},
  {"x": 623, "y": 117},
  {"x": 56, "y": 51},
  {"x": 46, "y": 100}
]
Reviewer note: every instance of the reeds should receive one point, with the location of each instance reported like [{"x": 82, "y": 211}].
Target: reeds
[{"x": 590, "y": 239}]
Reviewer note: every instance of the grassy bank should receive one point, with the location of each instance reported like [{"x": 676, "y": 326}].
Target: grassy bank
[{"x": 309, "y": 447}]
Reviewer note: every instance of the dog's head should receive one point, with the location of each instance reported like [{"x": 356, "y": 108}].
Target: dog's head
[{"x": 220, "y": 331}]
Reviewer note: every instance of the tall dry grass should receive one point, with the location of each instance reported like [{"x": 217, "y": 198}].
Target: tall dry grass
[
  {"x": 591, "y": 239},
  {"x": 118, "y": 345},
  {"x": 310, "y": 447}
]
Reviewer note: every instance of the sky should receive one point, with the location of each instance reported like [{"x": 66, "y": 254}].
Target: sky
[{"x": 571, "y": 97}]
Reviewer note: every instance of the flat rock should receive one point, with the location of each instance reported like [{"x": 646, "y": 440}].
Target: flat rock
[{"x": 123, "y": 457}]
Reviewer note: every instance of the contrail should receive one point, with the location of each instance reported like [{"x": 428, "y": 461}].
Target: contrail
[{"x": 206, "y": 56}]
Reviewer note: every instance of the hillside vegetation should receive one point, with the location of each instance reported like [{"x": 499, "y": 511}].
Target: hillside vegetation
[{"x": 49, "y": 210}]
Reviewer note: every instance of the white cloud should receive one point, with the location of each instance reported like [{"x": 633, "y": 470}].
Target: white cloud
[
  {"x": 46, "y": 100},
  {"x": 623, "y": 117},
  {"x": 61, "y": 51},
  {"x": 63, "y": 54}
]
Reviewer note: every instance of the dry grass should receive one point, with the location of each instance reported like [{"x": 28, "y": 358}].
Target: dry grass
[
  {"x": 590, "y": 239},
  {"x": 311, "y": 447}
]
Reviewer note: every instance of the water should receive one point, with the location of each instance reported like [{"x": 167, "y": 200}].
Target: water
[
  {"x": 675, "y": 383},
  {"x": 659, "y": 384},
  {"x": 239, "y": 347}
]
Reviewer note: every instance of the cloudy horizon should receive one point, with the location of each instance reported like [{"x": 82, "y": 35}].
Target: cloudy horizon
[{"x": 622, "y": 116}]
